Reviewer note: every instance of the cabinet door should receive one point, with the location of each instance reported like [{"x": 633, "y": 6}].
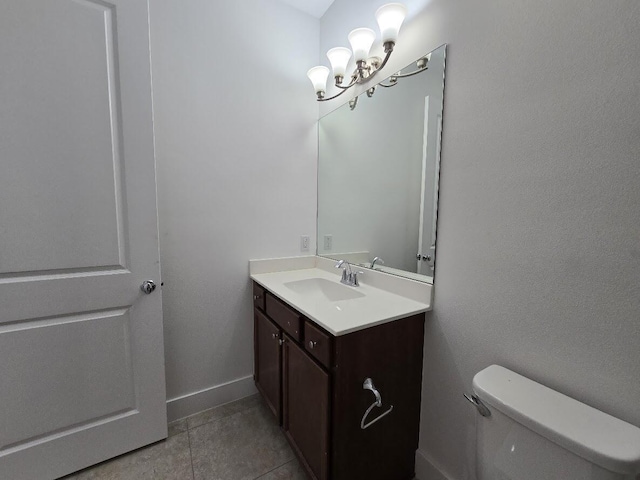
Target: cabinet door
[
  {"x": 268, "y": 364},
  {"x": 306, "y": 410}
]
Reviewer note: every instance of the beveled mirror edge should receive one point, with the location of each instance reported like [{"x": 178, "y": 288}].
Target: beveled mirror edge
[{"x": 349, "y": 256}]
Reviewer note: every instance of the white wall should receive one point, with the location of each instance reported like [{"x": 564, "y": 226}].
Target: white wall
[
  {"x": 538, "y": 263},
  {"x": 236, "y": 158}
]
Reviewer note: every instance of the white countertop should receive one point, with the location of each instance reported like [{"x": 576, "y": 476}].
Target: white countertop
[{"x": 375, "y": 307}]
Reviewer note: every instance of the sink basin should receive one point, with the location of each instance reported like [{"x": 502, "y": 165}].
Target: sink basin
[{"x": 321, "y": 287}]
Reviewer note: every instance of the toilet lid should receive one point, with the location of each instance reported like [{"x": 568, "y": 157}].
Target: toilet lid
[{"x": 594, "y": 435}]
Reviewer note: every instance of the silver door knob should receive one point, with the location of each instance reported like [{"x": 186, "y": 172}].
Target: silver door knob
[
  {"x": 148, "y": 286},
  {"x": 312, "y": 344},
  {"x": 426, "y": 258}
]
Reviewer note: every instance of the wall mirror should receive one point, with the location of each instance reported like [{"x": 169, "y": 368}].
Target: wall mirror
[{"x": 378, "y": 172}]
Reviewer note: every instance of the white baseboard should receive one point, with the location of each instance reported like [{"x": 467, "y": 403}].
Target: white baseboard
[
  {"x": 426, "y": 470},
  {"x": 195, "y": 402}
]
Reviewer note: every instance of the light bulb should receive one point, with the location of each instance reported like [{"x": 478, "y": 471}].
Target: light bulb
[
  {"x": 318, "y": 76},
  {"x": 390, "y": 18},
  {"x": 361, "y": 40},
  {"x": 339, "y": 58}
]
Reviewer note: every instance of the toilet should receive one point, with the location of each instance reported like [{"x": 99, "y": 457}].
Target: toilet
[{"x": 535, "y": 433}]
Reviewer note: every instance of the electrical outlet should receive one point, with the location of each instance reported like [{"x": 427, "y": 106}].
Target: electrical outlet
[
  {"x": 328, "y": 243},
  {"x": 304, "y": 243}
]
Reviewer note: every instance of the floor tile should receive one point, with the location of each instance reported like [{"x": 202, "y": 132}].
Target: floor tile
[
  {"x": 178, "y": 426},
  {"x": 242, "y": 446},
  {"x": 290, "y": 471},
  {"x": 166, "y": 460},
  {"x": 223, "y": 411}
]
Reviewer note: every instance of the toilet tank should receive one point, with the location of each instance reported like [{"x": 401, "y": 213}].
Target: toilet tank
[{"x": 536, "y": 433}]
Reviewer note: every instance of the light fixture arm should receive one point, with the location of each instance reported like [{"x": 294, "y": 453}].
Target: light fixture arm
[
  {"x": 323, "y": 99},
  {"x": 422, "y": 66},
  {"x": 410, "y": 74},
  {"x": 393, "y": 79},
  {"x": 363, "y": 73},
  {"x": 353, "y": 82},
  {"x": 388, "y": 49}
]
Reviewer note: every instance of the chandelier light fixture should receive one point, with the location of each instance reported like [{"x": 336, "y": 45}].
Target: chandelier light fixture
[{"x": 390, "y": 18}]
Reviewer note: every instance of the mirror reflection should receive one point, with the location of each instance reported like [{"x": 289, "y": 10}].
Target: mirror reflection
[{"x": 378, "y": 172}]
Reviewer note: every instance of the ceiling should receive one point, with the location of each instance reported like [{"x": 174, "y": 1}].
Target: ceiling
[{"x": 314, "y": 8}]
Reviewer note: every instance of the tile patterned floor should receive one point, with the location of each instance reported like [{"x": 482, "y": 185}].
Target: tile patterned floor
[{"x": 237, "y": 441}]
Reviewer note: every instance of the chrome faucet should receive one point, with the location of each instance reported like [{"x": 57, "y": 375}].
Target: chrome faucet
[
  {"x": 376, "y": 260},
  {"x": 349, "y": 277}
]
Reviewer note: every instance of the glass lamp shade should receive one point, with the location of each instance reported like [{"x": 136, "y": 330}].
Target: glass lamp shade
[
  {"x": 318, "y": 76},
  {"x": 361, "y": 40},
  {"x": 339, "y": 58},
  {"x": 390, "y": 18}
]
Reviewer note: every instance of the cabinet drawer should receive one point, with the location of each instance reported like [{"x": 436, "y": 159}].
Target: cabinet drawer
[
  {"x": 287, "y": 318},
  {"x": 258, "y": 296},
  {"x": 317, "y": 343}
]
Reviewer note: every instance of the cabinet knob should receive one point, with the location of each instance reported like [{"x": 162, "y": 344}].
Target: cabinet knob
[
  {"x": 275, "y": 335},
  {"x": 312, "y": 344},
  {"x": 257, "y": 297}
]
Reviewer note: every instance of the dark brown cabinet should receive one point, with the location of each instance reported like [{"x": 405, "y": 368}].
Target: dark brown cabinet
[
  {"x": 268, "y": 356},
  {"x": 313, "y": 382},
  {"x": 306, "y": 413}
]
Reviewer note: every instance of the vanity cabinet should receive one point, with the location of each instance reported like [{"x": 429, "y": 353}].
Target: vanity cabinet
[
  {"x": 306, "y": 388},
  {"x": 268, "y": 362},
  {"x": 313, "y": 383}
]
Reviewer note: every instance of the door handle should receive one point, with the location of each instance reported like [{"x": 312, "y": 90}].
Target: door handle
[{"x": 148, "y": 286}]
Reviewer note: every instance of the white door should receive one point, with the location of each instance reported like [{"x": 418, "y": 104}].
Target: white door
[
  {"x": 424, "y": 235},
  {"x": 81, "y": 346},
  {"x": 429, "y": 196}
]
